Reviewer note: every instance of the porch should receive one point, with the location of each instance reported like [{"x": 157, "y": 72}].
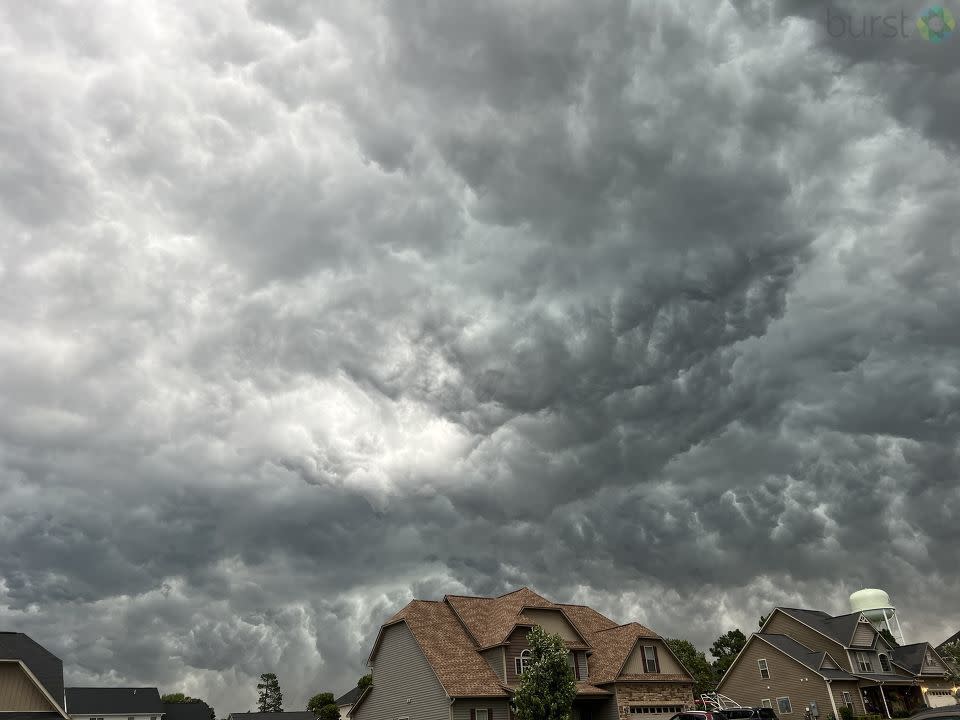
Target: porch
[{"x": 893, "y": 700}]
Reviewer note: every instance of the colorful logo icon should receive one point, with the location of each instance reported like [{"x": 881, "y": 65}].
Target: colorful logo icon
[{"x": 936, "y": 24}]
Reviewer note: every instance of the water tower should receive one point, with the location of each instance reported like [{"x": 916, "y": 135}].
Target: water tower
[{"x": 875, "y": 606}]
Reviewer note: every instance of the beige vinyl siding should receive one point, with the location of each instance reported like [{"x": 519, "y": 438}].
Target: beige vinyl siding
[
  {"x": 788, "y": 678},
  {"x": 634, "y": 664},
  {"x": 855, "y": 693},
  {"x": 829, "y": 664},
  {"x": 864, "y": 635},
  {"x": 553, "y": 621},
  {"x": 462, "y": 707},
  {"x": 934, "y": 665},
  {"x": 517, "y": 644},
  {"x": 18, "y": 693},
  {"x": 781, "y": 624},
  {"x": 494, "y": 658},
  {"x": 401, "y": 672}
]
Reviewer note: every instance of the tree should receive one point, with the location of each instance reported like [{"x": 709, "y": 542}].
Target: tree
[
  {"x": 181, "y": 698},
  {"x": 269, "y": 697},
  {"x": 725, "y": 649},
  {"x": 547, "y": 686},
  {"x": 763, "y": 619},
  {"x": 318, "y": 701},
  {"x": 888, "y": 636},
  {"x": 365, "y": 682},
  {"x": 704, "y": 677},
  {"x": 951, "y": 654}
]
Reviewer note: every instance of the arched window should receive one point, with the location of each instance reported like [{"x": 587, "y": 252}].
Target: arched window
[
  {"x": 523, "y": 662},
  {"x": 884, "y": 663}
]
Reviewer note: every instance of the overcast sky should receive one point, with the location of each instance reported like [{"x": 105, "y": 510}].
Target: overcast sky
[{"x": 307, "y": 309}]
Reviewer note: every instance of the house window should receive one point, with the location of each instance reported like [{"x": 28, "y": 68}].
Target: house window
[
  {"x": 847, "y": 699},
  {"x": 574, "y": 667},
  {"x": 764, "y": 670},
  {"x": 651, "y": 663},
  {"x": 863, "y": 662},
  {"x": 784, "y": 706},
  {"x": 766, "y": 703},
  {"x": 885, "y": 663},
  {"x": 522, "y": 662},
  {"x": 481, "y": 715}
]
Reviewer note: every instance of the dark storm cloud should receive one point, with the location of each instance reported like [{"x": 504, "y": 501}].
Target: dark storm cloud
[{"x": 310, "y": 309}]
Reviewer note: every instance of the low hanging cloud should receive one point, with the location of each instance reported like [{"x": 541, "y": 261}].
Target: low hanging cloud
[{"x": 308, "y": 309}]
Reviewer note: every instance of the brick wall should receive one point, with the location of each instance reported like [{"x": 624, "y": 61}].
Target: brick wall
[{"x": 652, "y": 694}]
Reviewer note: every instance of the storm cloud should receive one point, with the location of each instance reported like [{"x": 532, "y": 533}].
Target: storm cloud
[{"x": 309, "y": 308}]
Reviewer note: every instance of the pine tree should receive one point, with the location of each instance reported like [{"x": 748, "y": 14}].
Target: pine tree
[{"x": 270, "y": 699}]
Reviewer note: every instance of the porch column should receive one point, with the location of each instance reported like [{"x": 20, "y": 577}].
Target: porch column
[
  {"x": 833, "y": 703},
  {"x": 883, "y": 696}
]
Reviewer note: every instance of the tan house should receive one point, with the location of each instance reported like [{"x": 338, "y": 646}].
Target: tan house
[
  {"x": 31, "y": 680},
  {"x": 461, "y": 658},
  {"x": 807, "y": 660}
]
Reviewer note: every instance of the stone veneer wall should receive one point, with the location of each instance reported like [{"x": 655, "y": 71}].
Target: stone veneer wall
[{"x": 652, "y": 694}]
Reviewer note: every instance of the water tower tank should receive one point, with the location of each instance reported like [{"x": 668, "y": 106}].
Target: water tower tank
[{"x": 875, "y": 606}]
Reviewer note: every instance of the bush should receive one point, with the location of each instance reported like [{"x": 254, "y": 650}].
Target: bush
[{"x": 846, "y": 713}]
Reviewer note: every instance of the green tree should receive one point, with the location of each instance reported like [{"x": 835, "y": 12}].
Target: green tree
[
  {"x": 547, "y": 686},
  {"x": 951, "y": 654},
  {"x": 725, "y": 650},
  {"x": 319, "y": 701},
  {"x": 365, "y": 682},
  {"x": 181, "y": 698},
  {"x": 695, "y": 661},
  {"x": 269, "y": 697},
  {"x": 763, "y": 619}
]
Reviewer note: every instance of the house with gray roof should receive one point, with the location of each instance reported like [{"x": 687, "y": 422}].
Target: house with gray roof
[
  {"x": 114, "y": 703},
  {"x": 809, "y": 661},
  {"x": 31, "y": 680}
]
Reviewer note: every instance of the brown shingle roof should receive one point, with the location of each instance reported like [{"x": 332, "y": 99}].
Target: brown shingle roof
[
  {"x": 452, "y": 650},
  {"x": 490, "y": 620},
  {"x": 611, "y": 648},
  {"x": 452, "y": 655}
]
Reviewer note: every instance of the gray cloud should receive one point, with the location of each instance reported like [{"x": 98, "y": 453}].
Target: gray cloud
[{"x": 307, "y": 310}]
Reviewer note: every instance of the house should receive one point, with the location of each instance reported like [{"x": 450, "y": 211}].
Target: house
[
  {"x": 196, "y": 710},
  {"x": 31, "y": 680},
  {"x": 294, "y": 715},
  {"x": 462, "y": 658},
  {"x": 807, "y": 659},
  {"x": 98, "y": 703},
  {"x": 347, "y": 701}
]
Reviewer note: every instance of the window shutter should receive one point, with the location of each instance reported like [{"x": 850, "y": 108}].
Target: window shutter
[
  {"x": 473, "y": 714},
  {"x": 516, "y": 668},
  {"x": 656, "y": 659},
  {"x": 489, "y": 713},
  {"x": 576, "y": 666}
]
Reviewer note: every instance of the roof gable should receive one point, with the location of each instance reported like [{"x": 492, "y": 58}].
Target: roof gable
[
  {"x": 913, "y": 658},
  {"x": 449, "y": 650},
  {"x": 491, "y": 620},
  {"x": 795, "y": 651},
  {"x": 46, "y": 667}
]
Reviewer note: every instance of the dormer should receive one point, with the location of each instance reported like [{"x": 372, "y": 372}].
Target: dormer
[
  {"x": 553, "y": 621},
  {"x": 864, "y": 635}
]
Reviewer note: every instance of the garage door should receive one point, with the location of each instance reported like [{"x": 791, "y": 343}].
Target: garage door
[
  {"x": 655, "y": 712},
  {"x": 940, "y": 698}
]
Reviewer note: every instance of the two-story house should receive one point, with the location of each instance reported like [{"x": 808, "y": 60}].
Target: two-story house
[
  {"x": 31, "y": 680},
  {"x": 462, "y": 658},
  {"x": 807, "y": 659}
]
